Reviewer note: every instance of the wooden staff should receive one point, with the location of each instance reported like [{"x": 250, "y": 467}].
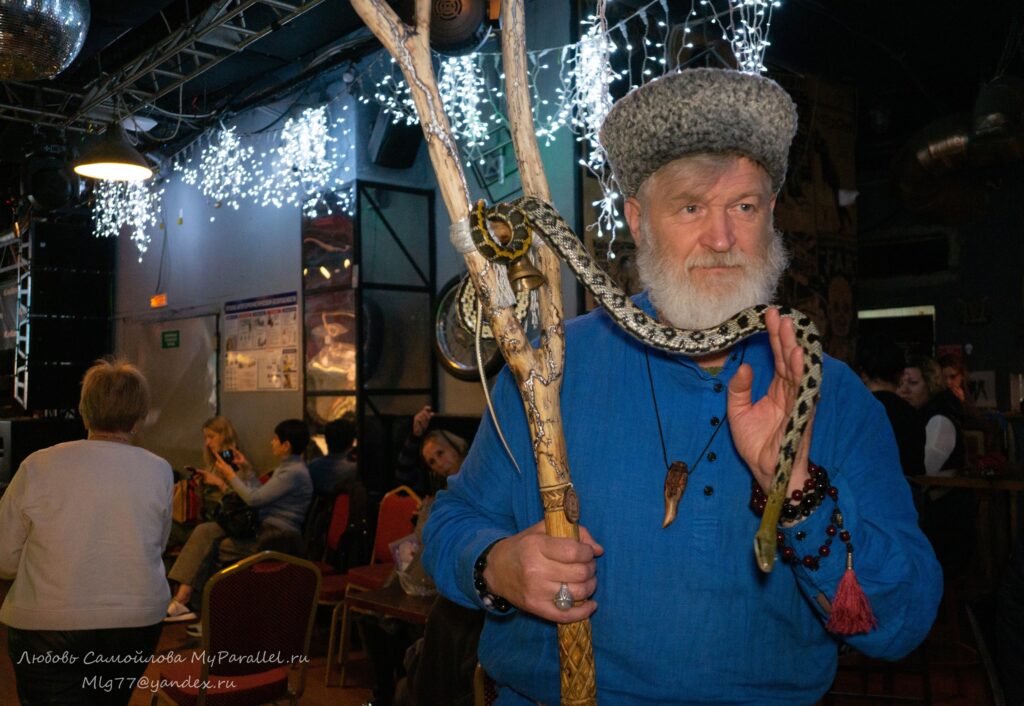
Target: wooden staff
[{"x": 538, "y": 372}]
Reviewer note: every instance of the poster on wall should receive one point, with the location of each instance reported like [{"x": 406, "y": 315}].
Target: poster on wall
[{"x": 261, "y": 347}]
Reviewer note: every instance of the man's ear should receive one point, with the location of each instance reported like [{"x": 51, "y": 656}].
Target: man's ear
[
  {"x": 633, "y": 215},
  {"x": 771, "y": 204}
]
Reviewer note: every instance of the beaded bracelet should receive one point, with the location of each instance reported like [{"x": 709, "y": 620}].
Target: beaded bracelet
[
  {"x": 816, "y": 488},
  {"x": 490, "y": 600},
  {"x": 789, "y": 555},
  {"x": 800, "y": 502}
]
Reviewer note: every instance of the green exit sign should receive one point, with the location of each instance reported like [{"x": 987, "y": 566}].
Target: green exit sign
[{"x": 170, "y": 339}]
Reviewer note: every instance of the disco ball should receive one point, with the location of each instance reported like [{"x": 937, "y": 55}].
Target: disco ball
[{"x": 40, "y": 38}]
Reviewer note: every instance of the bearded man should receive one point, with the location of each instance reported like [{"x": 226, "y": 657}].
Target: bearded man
[{"x": 682, "y": 614}]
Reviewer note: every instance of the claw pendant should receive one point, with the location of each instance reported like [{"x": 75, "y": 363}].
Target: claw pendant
[{"x": 675, "y": 486}]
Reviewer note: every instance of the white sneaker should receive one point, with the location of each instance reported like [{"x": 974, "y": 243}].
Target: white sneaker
[{"x": 177, "y": 613}]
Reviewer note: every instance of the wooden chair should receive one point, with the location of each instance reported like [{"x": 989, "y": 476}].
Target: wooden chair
[
  {"x": 257, "y": 623},
  {"x": 398, "y": 507}
]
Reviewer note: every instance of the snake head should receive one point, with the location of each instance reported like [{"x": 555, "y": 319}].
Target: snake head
[{"x": 764, "y": 551}]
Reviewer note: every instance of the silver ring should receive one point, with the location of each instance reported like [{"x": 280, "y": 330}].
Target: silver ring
[{"x": 563, "y": 599}]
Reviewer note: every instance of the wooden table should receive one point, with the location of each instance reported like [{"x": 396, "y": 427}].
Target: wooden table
[
  {"x": 1010, "y": 483},
  {"x": 992, "y": 549},
  {"x": 393, "y": 602}
]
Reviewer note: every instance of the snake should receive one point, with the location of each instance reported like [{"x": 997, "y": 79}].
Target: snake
[
  {"x": 535, "y": 215},
  {"x": 490, "y": 247}
]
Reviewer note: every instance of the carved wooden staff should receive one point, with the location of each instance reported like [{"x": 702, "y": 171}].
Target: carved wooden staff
[{"x": 538, "y": 372}]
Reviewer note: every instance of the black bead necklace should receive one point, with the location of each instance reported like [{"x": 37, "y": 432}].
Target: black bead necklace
[{"x": 677, "y": 473}]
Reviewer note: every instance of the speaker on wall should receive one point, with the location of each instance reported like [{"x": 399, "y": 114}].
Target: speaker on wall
[
  {"x": 456, "y": 26},
  {"x": 69, "y": 323},
  {"x": 70, "y": 246}
]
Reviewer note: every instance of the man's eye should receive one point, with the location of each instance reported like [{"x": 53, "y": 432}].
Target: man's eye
[
  {"x": 746, "y": 207},
  {"x": 690, "y": 209}
]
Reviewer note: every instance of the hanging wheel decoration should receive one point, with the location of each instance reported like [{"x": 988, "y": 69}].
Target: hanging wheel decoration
[{"x": 455, "y": 329}]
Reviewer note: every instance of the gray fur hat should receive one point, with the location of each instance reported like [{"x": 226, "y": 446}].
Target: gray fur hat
[{"x": 699, "y": 110}]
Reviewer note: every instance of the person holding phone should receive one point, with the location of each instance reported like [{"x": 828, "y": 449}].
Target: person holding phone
[
  {"x": 219, "y": 436},
  {"x": 282, "y": 503}
]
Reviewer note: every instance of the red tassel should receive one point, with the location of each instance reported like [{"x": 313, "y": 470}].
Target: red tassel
[{"x": 851, "y": 612}]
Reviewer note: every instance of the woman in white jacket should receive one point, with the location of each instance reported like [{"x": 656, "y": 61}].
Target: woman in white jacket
[{"x": 82, "y": 528}]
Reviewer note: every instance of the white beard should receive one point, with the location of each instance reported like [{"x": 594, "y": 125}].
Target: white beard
[{"x": 688, "y": 304}]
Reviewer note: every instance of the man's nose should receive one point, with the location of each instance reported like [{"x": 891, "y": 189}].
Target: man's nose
[{"x": 718, "y": 233}]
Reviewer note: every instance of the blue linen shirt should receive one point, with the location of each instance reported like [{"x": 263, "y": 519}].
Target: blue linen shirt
[{"x": 684, "y": 615}]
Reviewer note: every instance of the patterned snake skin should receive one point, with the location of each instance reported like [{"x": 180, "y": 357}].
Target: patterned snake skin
[{"x": 557, "y": 234}]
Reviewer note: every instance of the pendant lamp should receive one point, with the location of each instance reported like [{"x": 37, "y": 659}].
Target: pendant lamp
[{"x": 112, "y": 158}]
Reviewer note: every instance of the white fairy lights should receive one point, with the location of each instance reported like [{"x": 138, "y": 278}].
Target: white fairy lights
[
  {"x": 591, "y": 77},
  {"x": 299, "y": 162},
  {"x": 225, "y": 172},
  {"x": 302, "y": 166},
  {"x": 308, "y": 160},
  {"x": 134, "y": 205},
  {"x": 462, "y": 88},
  {"x": 747, "y": 32},
  {"x": 393, "y": 96}
]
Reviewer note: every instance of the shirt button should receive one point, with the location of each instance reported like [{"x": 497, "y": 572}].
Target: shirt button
[
  {"x": 714, "y": 421},
  {"x": 712, "y": 455},
  {"x": 708, "y": 490},
  {"x": 718, "y": 387}
]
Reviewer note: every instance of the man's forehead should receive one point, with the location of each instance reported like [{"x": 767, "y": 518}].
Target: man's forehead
[{"x": 697, "y": 173}]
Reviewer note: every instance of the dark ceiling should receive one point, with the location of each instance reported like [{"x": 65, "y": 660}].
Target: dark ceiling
[{"x": 911, "y": 63}]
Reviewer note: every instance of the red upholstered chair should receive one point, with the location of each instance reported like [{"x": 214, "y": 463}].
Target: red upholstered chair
[
  {"x": 258, "y": 615},
  {"x": 395, "y": 518},
  {"x": 332, "y": 589},
  {"x": 335, "y": 531}
]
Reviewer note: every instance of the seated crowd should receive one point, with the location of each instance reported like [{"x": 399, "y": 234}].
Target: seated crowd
[{"x": 88, "y": 564}]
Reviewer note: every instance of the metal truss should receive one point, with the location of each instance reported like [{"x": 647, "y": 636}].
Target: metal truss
[
  {"x": 10, "y": 253},
  {"x": 224, "y": 29},
  {"x": 23, "y": 242}
]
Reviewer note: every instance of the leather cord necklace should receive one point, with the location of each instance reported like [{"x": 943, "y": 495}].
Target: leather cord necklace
[{"x": 677, "y": 473}]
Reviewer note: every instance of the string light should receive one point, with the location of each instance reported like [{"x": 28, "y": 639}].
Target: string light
[
  {"x": 463, "y": 91},
  {"x": 302, "y": 166},
  {"x": 591, "y": 76},
  {"x": 747, "y": 33},
  {"x": 225, "y": 171},
  {"x": 392, "y": 93},
  {"x": 126, "y": 204}
]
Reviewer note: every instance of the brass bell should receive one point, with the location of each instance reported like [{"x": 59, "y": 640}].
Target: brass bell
[{"x": 523, "y": 276}]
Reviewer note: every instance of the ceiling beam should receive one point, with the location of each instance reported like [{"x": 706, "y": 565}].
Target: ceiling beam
[{"x": 163, "y": 67}]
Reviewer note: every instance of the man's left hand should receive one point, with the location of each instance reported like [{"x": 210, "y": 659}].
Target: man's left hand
[{"x": 758, "y": 428}]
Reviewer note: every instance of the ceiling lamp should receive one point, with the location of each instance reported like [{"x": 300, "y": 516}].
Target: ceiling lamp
[
  {"x": 111, "y": 158},
  {"x": 39, "y": 39}
]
